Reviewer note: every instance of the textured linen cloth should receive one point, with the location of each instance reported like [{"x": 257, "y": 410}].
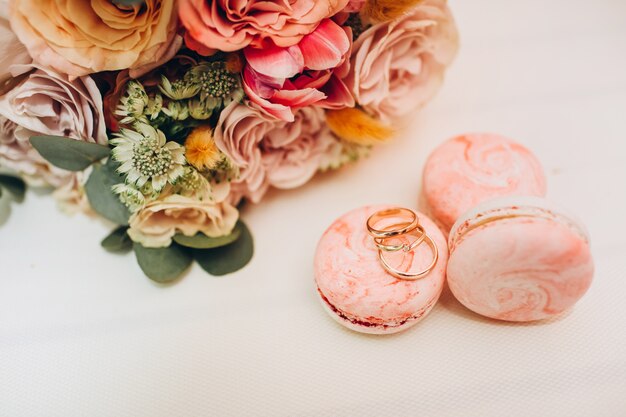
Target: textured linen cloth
[{"x": 83, "y": 333}]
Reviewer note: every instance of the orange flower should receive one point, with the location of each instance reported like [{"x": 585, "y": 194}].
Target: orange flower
[
  {"x": 79, "y": 37},
  {"x": 201, "y": 150}
]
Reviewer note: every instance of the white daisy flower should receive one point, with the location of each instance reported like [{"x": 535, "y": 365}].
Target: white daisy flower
[{"x": 145, "y": 155}]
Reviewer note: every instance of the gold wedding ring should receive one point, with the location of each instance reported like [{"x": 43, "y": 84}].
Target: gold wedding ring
[
  {"x": 380, "y": 242},
  {"x": 407, "y": 275},
  {"x": 395, "y": 230},
  {"x": 408, "y": 225}
]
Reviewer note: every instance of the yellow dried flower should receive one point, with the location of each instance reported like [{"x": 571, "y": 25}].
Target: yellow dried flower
[
  {"x": 355, "y": 126},
  {"x": 201, "y": 150},
  {"x": 378, "y": 11}
]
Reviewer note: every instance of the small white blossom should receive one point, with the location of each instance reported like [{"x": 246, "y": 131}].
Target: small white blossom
[
  {"x": 133, "y": 104},
  {"x": 178, "y": 90},
  {"x": 130, "y": 196},
  {"x": 177, "y": 110},
  {"x": 154, "y": 107},
  {"x": 199, "y": 110}
]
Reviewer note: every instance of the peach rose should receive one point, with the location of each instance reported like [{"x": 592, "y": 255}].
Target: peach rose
[
  {"x": 11, "y": 50},
  {"x": 80, "y": 37},
  {"x": 230, "y": 25},
  {"x": 158, "y": 221},
  {"x": 47, "y": 103},
  {"x": 398, "y": 66},
  {"x": 271, "y": 152}
]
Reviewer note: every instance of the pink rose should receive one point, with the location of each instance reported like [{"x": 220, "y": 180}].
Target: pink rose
[
  {"x": 47, "y": 103},
  {"x": 80, "y": 37},
  {"x": 282, "y": 80},
  {"x": 230, "y": 25},
  {"x": 398, "y": 66},
  {"x": 271, "y": 152}
]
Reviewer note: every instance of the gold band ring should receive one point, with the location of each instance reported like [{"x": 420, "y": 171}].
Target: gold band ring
[
  {"x": 398, "y": 229},
  {"x": 412, "y": 276},
  {"x": 380, "y": 242}
]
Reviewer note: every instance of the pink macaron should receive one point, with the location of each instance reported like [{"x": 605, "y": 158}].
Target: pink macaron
[
  {"x": 469, "y": 169},
  {"x": 359, "y": 293},
  {"x": 519, "y": 259}
]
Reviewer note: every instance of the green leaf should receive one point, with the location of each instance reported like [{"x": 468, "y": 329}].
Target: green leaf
[
  {"x": 163, "y": 264},
  {"x": 69, "y": 154},
  {"x": 118, "y": 241},
  {"x": 227, "y": 259},
  {"x": 202, "y": 241},
  {"x": 101, "y": 197},
  {"x": 14, "y": 185}
]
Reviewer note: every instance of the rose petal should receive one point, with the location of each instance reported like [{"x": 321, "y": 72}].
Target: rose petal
[
  {"x": 324, "y": 48},
  {"x": 275, "y": 61}
]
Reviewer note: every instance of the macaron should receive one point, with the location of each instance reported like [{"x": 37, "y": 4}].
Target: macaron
[
  {"x": 519, "y": 259},
  {"x": 359, "y": 293},
  {"x": 469, "y": 169}
]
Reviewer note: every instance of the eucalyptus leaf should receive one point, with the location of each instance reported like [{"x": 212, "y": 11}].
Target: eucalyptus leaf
[
  {"x": 69, "y": 154},
  {"x": 163, "y": 265},
  {"x": 202, "y": 241},
  {"x": 14, "y": 185},
  {"x": 118, "y": 241},
  {"x": 227, "y": 259},
  {"x": 101, "y": 197}
]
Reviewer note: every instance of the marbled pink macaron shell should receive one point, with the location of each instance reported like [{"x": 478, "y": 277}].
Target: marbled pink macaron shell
[
  {"x": 519, "y": 259},
  {"x": 472, "y": 168},
  {"x": 356, "y": 290}
]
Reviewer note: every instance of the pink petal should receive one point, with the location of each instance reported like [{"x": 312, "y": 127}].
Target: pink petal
[
  {"x": 263, "y": 85},
  {"x": 275, "y": 61},
  {"x": 277, "y": 110},
  {"x": 326, "y": 47},
  {"x": 339, "y": 96},
  {"x": 298, "y": 98}
]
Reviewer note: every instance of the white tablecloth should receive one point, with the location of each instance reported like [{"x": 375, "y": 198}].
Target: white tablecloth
[{"x": 83, "y": 333}]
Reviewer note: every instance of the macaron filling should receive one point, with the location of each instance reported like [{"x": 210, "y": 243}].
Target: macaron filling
[{"x": 376, "y": 322}]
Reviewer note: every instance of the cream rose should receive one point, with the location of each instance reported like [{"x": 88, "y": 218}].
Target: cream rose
[
  {"x": 47, "y": 103},
  {"x": 270, "y": 152},
  {"x": 155, "y": 224},
  {"x": 398, "y": 66},
  {"x": 79, "y": 37},
  {"x": 71, "y": 197}
]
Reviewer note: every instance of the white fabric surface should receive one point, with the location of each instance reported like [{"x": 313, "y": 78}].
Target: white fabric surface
[{"x": 83, "y": 333}]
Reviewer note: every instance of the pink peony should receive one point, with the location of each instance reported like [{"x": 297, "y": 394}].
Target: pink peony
[
  {"x": 281, "y": 80},
  {"x": 80, "y": 37},
  {"x": 398, "y": 66},
  {"x": 271, "y": 152},
  {"x": 230, "y": 25},
  {"x": 47, "y": 103}
]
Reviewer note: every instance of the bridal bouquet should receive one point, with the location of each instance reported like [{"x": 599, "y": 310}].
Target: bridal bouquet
[{"x": 163, "y": 116}]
